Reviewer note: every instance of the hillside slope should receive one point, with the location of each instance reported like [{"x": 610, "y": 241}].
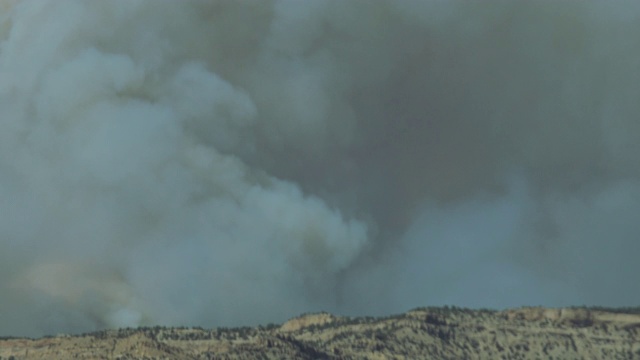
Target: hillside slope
[{"x": 442, "y": 333}]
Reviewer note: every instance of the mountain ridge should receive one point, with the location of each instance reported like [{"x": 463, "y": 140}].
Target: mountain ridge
[{"x": 427, "y": 332}]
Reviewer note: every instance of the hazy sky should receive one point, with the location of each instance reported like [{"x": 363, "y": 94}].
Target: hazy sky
[{"x": 221, "y": 163}]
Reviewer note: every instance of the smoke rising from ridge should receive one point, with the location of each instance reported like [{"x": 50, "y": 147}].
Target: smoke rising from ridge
[{"x": 223, "y": 163}]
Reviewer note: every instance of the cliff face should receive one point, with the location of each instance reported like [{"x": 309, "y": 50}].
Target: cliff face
[{"x": 442, "y": 333}]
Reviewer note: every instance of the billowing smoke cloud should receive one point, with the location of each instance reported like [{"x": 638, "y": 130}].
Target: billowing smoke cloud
[{"x": 229, "y": 162}]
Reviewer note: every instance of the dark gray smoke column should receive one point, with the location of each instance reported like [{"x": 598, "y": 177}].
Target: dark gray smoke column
[{"x": 232, "y": 162}]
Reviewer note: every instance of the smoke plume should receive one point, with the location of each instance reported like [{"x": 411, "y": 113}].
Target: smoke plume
[{"x": 227, "y": 162}]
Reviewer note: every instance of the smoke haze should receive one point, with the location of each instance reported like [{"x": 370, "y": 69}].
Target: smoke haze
[{"x": 227, "y": 162}]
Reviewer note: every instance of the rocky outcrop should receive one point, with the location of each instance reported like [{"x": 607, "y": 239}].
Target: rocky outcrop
[
  {"x": 308, "y": 320},
  {"x": 441, "y": 333}
]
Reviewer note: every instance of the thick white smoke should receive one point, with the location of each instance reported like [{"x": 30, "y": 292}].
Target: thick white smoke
[{"x": 229, "y": 162}]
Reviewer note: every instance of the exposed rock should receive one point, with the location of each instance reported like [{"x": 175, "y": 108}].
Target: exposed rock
[
  {"x": 442, "y": 333},
  {"x": 307, "y": 320}
]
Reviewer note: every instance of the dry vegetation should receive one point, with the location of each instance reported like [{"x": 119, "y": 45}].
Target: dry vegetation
[{"x": 441, "y": 333}]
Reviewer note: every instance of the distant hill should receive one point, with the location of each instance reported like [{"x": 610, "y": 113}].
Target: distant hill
[{"x": 434, "y": 333}]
